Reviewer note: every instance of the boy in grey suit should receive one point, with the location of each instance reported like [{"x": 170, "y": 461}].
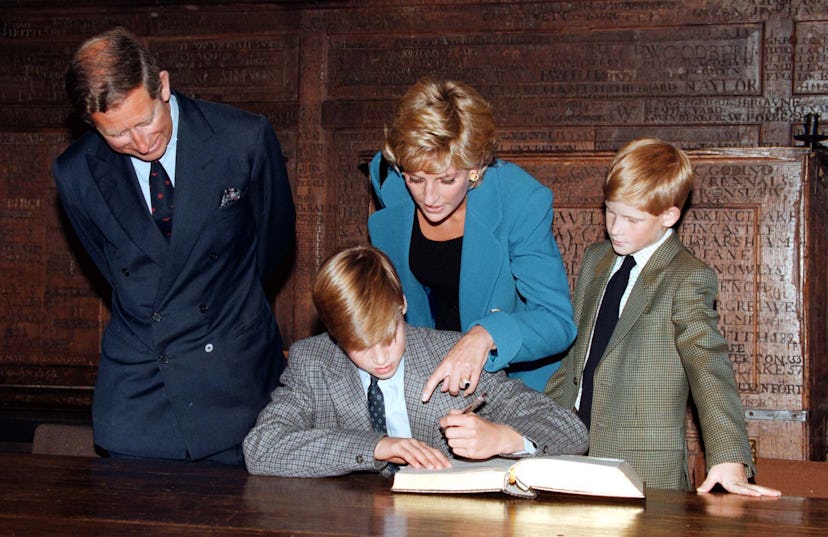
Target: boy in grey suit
[
  {"x": 318, "y": 423},
  {"x": 631, "y": 386}
]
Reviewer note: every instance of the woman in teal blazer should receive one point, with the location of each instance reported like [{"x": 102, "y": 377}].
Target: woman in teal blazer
[{"x": 437, "y": 181}]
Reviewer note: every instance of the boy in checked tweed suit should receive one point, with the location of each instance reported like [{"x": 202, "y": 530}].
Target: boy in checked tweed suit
[
  {"x": 318, "y": 423},
  {"x": 666, "y": 344}
]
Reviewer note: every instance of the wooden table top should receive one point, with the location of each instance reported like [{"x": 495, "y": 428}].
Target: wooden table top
[{"x": 52, "y": 495}]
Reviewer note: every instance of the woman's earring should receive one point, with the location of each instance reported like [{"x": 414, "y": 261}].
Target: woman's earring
[{"x": 473, "y": 176}]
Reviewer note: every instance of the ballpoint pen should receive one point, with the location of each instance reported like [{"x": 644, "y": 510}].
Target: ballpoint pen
[{"x": 474, "y": 405}]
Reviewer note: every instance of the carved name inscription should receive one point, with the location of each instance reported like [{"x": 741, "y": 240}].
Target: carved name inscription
[
  {"x": 810, "y": 69},
  {"x": 36, "y": 69},
  {"x": 231, "y": 70},
  {"x": 714, "y": 60}
]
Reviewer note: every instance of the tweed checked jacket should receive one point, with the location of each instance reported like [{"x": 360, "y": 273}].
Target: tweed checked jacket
[
  {"x": 666, "y": 346},
  {"x": 317, "y": 423}
]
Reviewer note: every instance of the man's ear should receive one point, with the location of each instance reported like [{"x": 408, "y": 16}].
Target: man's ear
[
  {"x": 670, "y": 216},
  {"x": 165, "y": 92}
]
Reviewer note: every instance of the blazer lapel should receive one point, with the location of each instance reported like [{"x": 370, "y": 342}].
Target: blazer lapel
[
  {"x": 482, "y": 258},
  {"x": 111, "y": 171},
  {"x": 592, "y": 300},
  {"x": 346, "y": 390},
  {"x": 414, "y": 381},
  {"x": 418, "y": 365},
  {"x": 644, "y": 289},
  {"x": 395, "y": 240}
]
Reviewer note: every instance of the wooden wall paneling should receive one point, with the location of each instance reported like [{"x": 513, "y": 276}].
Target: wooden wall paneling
[
  {"x": 52, "y": 310},
  {"x": 815, "y": 282},
  {"x": 316, "y": 215},
  {"x": 572, "y": 79}
]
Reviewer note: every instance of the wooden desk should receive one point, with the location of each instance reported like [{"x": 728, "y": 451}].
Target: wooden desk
[{"x": 52, "y": 495}]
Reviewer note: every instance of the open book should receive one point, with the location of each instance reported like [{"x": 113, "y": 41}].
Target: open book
[{"x": 571, "y": 474}]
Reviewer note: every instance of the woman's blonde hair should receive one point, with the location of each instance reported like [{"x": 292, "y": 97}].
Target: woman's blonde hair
[
  {"x": 651, "y": 175},
  {"x": 359, "y": 297},
  {"x": 441, "y": 124}
]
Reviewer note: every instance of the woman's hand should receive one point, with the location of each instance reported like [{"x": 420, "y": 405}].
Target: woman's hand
[{"x": 461, "y": 368}]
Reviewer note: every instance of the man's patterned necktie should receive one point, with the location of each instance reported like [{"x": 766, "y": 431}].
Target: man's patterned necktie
[{"x": 162, "y": 197}]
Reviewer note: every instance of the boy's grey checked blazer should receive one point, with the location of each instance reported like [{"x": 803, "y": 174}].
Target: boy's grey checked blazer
[
  {"x": 317, "y": 423},
  {"x": 666, "y": 346}
]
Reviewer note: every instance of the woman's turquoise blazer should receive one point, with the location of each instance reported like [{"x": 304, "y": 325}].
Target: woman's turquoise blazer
[{"x": 512, "y": 279}]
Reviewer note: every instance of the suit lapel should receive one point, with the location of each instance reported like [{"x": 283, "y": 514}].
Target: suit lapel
[
  {"x": 395, "y": 239},
  {"x": 414, "y": 381},
  {"x": 197, "y": 193},
  {"x": 126, "y": 202}
]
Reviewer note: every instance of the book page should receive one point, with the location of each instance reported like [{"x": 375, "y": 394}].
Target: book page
[
  {"x": 463, "y": 476},
  {"x": 576, "y": 474}
]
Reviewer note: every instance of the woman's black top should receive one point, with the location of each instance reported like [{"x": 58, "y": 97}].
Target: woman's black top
[{"x": 436, "y": 264}]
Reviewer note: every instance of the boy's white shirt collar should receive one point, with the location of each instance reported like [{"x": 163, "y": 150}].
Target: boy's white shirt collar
[{"x": 643, "y": 255}]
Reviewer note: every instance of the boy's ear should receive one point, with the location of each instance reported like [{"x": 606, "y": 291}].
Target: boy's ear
[
  {"x": 670, "y": 216},
  {"x": 404, "y": 306}
]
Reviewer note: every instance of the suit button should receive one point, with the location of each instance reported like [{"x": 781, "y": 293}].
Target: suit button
[
  {"x": 574, "y": 381},
  {"x": 360, "y": 459},
  {"x": 203, "y": 308},
  {"x": 213, "y": 256},
  {"x": 125, "y": 272},
  {"x": 156, "y": 317},
  {"x": 163, "y": 359}
]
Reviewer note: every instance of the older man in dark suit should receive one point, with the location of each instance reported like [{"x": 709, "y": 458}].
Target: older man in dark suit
[{"x": 185, "y": 208}]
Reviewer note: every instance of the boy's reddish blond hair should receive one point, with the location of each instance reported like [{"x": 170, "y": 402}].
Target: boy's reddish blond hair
[{"x": 651, "y": 175}]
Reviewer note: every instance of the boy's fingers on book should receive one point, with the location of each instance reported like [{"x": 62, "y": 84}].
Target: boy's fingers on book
[{"x": 422, "y": 455}]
